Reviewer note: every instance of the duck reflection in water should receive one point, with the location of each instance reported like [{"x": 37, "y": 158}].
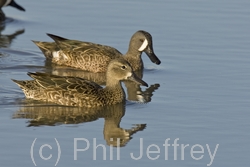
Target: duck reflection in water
[
  {"x": 52, "y": 115},
  {"x": 6, "y": 39}
]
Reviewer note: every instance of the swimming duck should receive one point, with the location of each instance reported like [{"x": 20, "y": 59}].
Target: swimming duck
[
  {"x": 95, "y": 57},
  {"x": 74, "y": 91}
]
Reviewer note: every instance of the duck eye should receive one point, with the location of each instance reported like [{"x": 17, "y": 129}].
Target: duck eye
[
  {"x": 141, "y": 40},
  {"x": 123, "y": 67}
]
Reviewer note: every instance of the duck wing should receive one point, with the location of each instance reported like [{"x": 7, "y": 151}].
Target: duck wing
[{"x": 70, "y": 84}]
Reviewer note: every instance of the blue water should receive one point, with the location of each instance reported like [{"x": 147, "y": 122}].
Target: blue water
[{"x": 202, "y": 102}]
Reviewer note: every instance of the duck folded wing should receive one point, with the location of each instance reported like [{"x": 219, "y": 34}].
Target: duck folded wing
[{"x": 74, "y": 84}]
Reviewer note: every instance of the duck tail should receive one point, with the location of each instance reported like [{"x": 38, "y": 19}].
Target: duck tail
[
  {"x": 47, "y": 48},
  {"x": 21, "y": 84},
  {"x": 56, "y": 38}
]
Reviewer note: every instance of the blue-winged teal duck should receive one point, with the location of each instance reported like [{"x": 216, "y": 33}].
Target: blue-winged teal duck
[
  {"x": 8, "y": 3},
  {"x": 74, "y": 91},
  {"x": 95, "y": 57}
]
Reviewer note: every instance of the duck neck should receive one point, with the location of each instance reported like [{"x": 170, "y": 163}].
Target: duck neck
[
  {"x": 115, "y": 90},
  {"x": 133, "y": 51},
  {"x": 133, "y": 56}
]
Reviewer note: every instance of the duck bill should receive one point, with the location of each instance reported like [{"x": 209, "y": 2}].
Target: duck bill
[
  {"x": 136, "y": 79},
  {"x": 150, "y": 52},
  {"x": 14, "y": 4}
]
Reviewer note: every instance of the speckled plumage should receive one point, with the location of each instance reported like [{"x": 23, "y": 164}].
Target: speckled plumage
[
  {"x": 95, "y": 57},
  {"x": 74, "y": 91}
]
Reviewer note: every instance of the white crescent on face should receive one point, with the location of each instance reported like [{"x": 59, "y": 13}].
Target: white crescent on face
[{"x": 144, "y": 45}]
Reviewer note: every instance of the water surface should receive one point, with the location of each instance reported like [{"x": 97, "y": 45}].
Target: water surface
[{"x": 202, "y": 95}]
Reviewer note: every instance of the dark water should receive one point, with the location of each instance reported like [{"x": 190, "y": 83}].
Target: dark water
[{"x": 201, "y": 95}]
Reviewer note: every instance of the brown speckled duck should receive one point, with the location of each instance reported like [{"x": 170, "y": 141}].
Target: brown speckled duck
[
  {"x": 95, "y": 57},
  {"x": 74, "y": 91}
]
